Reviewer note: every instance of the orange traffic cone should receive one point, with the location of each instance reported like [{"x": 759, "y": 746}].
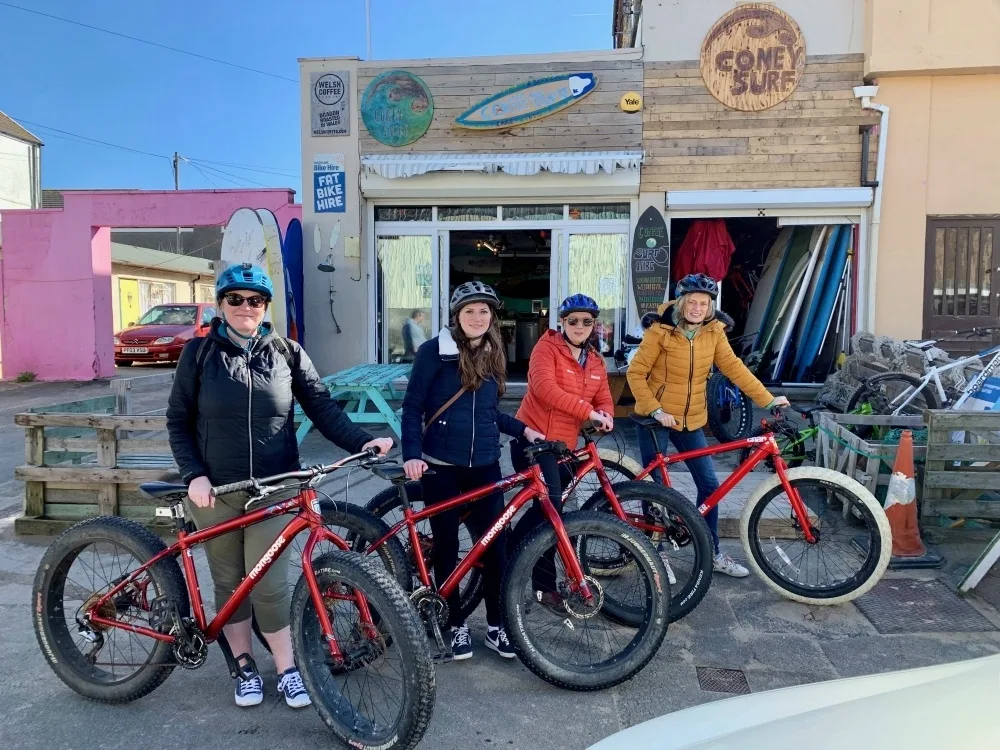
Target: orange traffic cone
[{"x": 908, "y": 550}]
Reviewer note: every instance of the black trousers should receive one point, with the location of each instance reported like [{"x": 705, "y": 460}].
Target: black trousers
[
  {"x": 557, "y": 478},
  {"x": 445, "y": 483}
]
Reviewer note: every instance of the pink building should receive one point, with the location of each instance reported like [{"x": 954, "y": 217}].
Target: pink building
[{"x": 56, "y": 319}]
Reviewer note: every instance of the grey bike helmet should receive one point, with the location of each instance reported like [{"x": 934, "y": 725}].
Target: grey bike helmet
[{"x": 473, "y": 291}]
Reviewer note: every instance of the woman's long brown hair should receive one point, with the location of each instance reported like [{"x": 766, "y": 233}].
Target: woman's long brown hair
[{"x": 488, "y": 360}]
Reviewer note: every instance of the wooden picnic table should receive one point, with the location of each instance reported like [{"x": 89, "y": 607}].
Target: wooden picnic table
[{"x": 358, "y": 388}]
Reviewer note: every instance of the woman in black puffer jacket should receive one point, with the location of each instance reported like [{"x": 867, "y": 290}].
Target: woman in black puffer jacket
[
  {"x": 229, "y": 418},
  {"x": 452, "y": 421}
]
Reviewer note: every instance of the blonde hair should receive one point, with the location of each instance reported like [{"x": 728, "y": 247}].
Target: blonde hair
[{"x": 680, "y": 307}]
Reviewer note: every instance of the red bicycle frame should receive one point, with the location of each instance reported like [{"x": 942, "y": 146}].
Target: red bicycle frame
[
  {"x": 762, "y": 446},
  {"x": 535, "y": 489},
  {"x": 308, "y": 517}
]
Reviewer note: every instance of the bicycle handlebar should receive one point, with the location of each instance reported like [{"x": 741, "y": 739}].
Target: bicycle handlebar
[{"x": 310, "y": 473}]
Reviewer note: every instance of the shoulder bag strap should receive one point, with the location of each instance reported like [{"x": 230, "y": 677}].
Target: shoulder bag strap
[{"x": 447, "y": 405}]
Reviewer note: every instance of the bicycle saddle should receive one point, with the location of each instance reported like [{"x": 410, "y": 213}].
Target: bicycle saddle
[
  {"x": 643, "y": 421},
  {"x": 536, "y": 449},
  {"x": 160, "y": 490},
  {"x": 806, "y": 411}
]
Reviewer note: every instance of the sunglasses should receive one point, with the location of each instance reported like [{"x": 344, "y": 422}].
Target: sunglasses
[
  {"x": 585, "y": 322},
  {"x": 236, "y": 300}
]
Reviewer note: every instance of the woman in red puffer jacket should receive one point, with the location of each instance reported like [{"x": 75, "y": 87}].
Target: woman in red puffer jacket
[{"x": 567, "y": 386}]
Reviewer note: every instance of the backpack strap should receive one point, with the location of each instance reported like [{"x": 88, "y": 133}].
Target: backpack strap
[{"x": 286, "y": 351}]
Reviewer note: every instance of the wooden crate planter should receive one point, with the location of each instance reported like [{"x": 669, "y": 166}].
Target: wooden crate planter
[
  {"x": 869, "y": 462},
  {"x": 953, "y": 485},
  {"x": 58, "y": 494}
]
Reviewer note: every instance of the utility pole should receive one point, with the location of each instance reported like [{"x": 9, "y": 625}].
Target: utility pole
[
  {"x": 177, "y": 186},
  {"x": 368, "y": 29}
]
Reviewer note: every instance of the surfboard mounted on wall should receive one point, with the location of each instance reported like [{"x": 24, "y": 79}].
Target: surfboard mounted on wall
[
  {"x": 527, "y": 101},
  {"x": 650, "y": 261}
]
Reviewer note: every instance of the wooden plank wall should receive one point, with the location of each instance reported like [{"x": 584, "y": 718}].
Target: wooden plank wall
[
  {"x": 811, "y": 139},
  {"x": 594, "y": 124}
]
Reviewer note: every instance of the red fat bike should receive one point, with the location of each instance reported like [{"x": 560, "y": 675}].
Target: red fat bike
[
  {"x": 114, "y": 614},
  {"x": 669, "y": 521},
  {"x": 570, "y": 626},
  {"x": 813, "y": 535}
]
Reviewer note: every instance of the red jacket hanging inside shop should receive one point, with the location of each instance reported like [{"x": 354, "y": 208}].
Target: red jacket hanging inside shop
[{"x": 706, "y": 249}]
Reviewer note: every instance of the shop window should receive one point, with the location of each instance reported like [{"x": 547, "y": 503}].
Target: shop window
[
  {"x": 603, "y": 211},
  {"x": 405, "y": 288},
  {"x": 403, "y": 213},
  {"x": 532, "y": 213},
  {"x": 597, "y": 264},
  {"x": 467, "y": 213}
]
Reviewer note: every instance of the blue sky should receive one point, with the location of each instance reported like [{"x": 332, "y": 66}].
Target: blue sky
[{"x": 153, "y": 100}]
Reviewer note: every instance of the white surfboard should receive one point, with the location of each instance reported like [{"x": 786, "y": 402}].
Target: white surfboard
[
  {"x": 275, "y": 269},
  {"x": 243, "y": 239},
  {"x": 317, "y": 239},
  {"x": 788, "y": 325},
  {"x": 765, "y": 287}
]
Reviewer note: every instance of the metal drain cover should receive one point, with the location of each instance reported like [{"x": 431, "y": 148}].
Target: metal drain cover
[
  {"x": 913, "y": 606},
  {"x": 723, "y": 680}
]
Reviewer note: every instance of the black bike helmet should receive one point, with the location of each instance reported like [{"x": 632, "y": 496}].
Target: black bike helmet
[{"x": 697, "y": 282}]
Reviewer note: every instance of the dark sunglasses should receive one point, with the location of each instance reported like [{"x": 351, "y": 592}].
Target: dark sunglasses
[
  {"x": 585, "y": 322},
  {"x": 235, "y": 300}
]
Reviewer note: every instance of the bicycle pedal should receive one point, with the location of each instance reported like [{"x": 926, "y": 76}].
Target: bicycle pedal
[{"x": 443, "y": 658}]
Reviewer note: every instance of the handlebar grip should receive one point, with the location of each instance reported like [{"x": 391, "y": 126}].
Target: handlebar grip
[{"x": 226, "y": 489}]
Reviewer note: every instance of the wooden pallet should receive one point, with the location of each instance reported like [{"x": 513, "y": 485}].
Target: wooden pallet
[{"x": 962, "y": 479}]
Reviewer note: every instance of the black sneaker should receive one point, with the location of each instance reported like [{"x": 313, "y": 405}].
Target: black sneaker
[
  {"x": 461, "y": 643},
  {"x": 290, "y": 685},
  {"x": 552, "y": 601},
  {"x": 496, "y": 639},
  {"x": 249, "y": 685}
]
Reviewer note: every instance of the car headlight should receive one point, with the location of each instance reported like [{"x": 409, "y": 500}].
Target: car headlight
[
  {"x": 164, "y": 340},
  {"x": 117, "y": 341}
]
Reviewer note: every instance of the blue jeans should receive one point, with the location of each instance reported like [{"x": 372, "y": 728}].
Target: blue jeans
[{"x": 702, "y": 469}]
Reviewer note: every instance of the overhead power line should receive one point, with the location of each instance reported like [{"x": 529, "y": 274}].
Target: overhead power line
[
  {"x": 146, "y": 41},
  {"x": 88, "y": 138}
]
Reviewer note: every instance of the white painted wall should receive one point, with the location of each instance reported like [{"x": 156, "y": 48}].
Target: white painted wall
[
  {"x": 329, "y": 350},
  {"x": 675, "y": 29},
  {"x": 15, "y": 173}
]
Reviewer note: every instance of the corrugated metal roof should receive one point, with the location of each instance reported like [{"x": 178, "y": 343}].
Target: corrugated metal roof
[{"x": 11, "y": 128}]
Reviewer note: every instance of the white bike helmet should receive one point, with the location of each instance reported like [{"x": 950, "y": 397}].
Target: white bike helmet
[{"x": 473, "y": 291}]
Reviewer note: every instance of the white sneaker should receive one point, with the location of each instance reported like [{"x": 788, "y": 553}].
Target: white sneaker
[
  {"x": 249, "y": 685},
  {"x": 290, "y": 685},
  {"x": 726, "y": 565}
]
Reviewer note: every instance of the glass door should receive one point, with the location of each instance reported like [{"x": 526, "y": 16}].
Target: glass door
[
  {"x": 407, "y": 290},
  {"x": 595, "y": 263}
]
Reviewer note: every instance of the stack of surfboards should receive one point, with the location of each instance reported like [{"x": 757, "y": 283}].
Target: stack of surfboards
[
  {"x": 799, "y": 310},
  {"x": 254, "y": 236}
]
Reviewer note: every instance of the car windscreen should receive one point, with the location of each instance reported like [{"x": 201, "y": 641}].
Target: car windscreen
[{"x": 167, "y": 315}]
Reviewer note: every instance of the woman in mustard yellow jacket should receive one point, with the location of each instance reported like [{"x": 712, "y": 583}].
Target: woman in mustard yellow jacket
[{"x": 668, "y": 376}]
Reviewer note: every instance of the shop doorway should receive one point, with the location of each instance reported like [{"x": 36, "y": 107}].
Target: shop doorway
[
  {"x": 518, "y": 265},
  {"x": 790, "y": 290}
]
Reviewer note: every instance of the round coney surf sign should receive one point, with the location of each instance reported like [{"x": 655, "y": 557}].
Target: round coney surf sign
[{"x": 753, "y": 57}]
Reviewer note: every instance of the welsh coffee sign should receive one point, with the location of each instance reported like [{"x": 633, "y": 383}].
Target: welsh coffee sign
[{"x": 753, "y": 58}]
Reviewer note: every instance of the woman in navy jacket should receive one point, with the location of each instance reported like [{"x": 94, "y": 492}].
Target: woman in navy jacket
[{"x": 452, "y": 420}]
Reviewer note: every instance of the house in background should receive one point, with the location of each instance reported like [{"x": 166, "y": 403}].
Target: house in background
[{"x": 20, "y": 166}]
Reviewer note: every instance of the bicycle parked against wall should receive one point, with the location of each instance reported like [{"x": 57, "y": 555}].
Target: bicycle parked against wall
[
  {"x": 114, "y": 614},
  {"x": 567, "y": 624},
  {"x": 904, "y": 393},
  {"x": 788, "y": 521}
]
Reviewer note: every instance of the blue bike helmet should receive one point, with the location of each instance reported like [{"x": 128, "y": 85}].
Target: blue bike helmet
[
  {"x": 578, "y": 303},
  {"x": 697, "y": 282},
  {"x": 244, "y": 276}
]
